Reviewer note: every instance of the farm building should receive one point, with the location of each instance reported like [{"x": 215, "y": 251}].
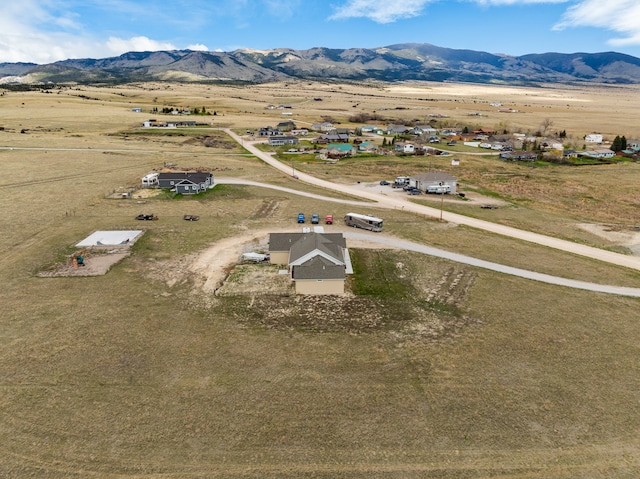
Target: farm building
[
  {"x": 427, "y": 181},
  {"x": 186, "y": 182},
  {"x": 317, "y": 262}
]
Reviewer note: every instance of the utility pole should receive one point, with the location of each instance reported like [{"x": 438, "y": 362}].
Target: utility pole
[{"x": 441, "y": 198}]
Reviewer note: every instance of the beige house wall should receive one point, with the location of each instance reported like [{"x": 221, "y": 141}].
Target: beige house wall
[
  {"x": 279, "y": 257},
  {"x": 314, "y": 286}
]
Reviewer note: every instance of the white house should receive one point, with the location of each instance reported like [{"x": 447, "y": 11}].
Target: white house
[
  {"x": 405, "y": 147},
  {"x": 593, "y": 138},
  {"x": 605, "y": 153}
]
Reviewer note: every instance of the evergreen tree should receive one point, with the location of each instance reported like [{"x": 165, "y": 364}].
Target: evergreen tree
[
  {"x": 465, "y": 129},
  {"x": 384, "y": 142},
  {"x": 619, "y": 143}
]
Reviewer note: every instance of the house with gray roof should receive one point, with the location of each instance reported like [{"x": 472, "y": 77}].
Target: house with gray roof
[
  {"x": 317, "y": 262},
  {"x": 186, "y": 182}
]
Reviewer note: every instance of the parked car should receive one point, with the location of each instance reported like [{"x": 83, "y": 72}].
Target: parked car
[
  {"x": 384, "y": 183},
  {"x": 328, "y": 220},
  {"x": 143, "y": 217},
  {"x": 191, "y": 218},
  {"x": 414, "y": 191},
  {"x": 300, "y": 217},
  {"x": 315, "y": 219}
]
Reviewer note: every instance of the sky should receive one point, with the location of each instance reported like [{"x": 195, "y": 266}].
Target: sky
[{"x": 44, "y": 31}]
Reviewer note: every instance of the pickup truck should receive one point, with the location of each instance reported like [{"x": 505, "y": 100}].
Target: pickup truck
[{"x": 300, "y": 217}]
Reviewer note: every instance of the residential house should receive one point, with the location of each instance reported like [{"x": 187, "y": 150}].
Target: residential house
[
  {"x": 599, "y": 154},
  {"x": 402, "y": 147},
  {"x": 286, "y": 126},
  {"x": 593, "y": 138},
  {"x": 397, "y": 129},
  {"x": 367, "y": 146},
  {"x": 317, "y": 262},
  {"x": 424, "y": 130},
  {"x": 186, "y": 182},
  {"x": 434, "y": 178},
  {"x": 339, "y": 150},
  {"x": 323, "y": 127},
  {"x": 268, "y": 131},
  {"x": 372, "y": 129},
  {"x": 300, "y": 132},
  {"x": 519, "y": 155},
  {"x": 283, "y": 140},
  {"x": 337, "y": 138}
]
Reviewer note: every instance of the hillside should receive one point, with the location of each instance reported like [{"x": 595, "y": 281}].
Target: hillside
[{"x": 412, "y": 61}]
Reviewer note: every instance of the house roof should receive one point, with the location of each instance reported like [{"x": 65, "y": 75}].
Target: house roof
[
  {"x": 193, "y": 176},
  {"x": 284, "y": 241},
  {"x": 314, "y": 244},
  {"x": 318, "y": 268},
  {"x": 434, "y": 176},
  {"x": 345, "y": 147}
]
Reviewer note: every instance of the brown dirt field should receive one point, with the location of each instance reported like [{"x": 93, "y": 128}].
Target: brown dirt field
[{"x": 144, "y": 372}]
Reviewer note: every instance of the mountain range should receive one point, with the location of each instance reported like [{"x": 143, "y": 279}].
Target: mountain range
[{"x": 408, "y": 61}]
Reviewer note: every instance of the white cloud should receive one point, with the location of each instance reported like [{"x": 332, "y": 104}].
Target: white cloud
[
  {"x": 392, "y": 10},
  {"x": 501, "y": 3},
  {"x": 380, "y": 12},
  {"x": 198, "y": 47},
  {"x": 616, "y": 15},
  {"x": 117, "y": 46}
]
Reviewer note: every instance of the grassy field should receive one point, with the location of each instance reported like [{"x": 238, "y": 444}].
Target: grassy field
[{"x": 428, "y": 369}]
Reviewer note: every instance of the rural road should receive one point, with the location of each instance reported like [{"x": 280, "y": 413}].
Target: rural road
[
  {"x": 384, "y": 201},
  {"x": 459, "y": 258}
]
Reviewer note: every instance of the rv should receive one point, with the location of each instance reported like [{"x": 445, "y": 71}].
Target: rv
[
  {"x": 439, "y": 189},
  {"x": 366, "y": 222}
]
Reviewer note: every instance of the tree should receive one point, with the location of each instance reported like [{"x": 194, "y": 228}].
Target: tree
[
  {"x": 563, "y": 134},
  {"x": 619, "y": 143},
  {"x": 465, "y": 129},
  {"x": 384, "y": 142},
  {"x": 546, "y": 124}
]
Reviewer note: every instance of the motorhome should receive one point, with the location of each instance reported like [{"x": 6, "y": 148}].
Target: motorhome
[{"x": 366, "y": 222}]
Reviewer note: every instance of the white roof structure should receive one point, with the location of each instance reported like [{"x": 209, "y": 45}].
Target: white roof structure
[{"x": 110, "y": 238}]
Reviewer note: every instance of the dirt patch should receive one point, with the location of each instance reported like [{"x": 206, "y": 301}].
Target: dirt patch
[
  {"x": 627, "y": 236},
  {"x": 96, "y": 263},
  {"x": 220, "y": 142}
]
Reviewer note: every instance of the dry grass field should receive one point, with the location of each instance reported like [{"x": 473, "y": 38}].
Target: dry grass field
[{"x": 426, "y": 368}]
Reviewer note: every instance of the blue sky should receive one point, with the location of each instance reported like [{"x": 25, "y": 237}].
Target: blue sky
[{"x": 44, "y": 31}]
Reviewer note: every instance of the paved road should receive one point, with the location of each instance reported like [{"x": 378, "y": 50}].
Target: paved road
[{"x": 384, "y": 201}]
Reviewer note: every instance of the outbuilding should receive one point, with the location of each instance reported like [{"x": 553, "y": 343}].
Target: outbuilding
[{"x": 427, "y": 181}]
